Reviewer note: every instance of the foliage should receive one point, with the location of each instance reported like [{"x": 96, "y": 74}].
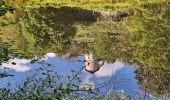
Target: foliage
[
  {"x": 101, "y": 5},
  {"x": 53, "y": 31},
  {"x": 155, "y": 81},
  {"x": 151, "y": 35},
  {"x": 4, "y": 53},
  {"x": 4, "y": 8}
]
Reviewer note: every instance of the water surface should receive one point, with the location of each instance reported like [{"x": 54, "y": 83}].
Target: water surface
[{"x": 125, "y": 55}]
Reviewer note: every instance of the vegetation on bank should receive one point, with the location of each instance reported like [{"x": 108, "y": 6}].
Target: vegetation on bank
[
  {"x": 101, "y": 5},
  {"x": 4, "y": 8}
]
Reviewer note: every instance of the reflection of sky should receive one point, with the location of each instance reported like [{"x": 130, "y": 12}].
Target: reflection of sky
[
  {"x": 115, "y": 75},
  {"x": 109, "y": 69},
  {"x": 121, "y": 75},
  {"x": 19, "y": 67}
]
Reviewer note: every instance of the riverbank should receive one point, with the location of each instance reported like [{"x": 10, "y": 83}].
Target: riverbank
[{"x": 98, "y": 5}]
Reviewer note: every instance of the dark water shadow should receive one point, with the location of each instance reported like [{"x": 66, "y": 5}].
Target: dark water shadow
[{"x": 50, "y": 25}]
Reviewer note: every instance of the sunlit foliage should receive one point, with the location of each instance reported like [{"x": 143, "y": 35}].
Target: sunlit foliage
[{"x": 151, "y": 38}]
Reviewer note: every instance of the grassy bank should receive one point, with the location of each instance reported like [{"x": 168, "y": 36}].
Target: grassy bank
[{"x": 104, "y": 5}]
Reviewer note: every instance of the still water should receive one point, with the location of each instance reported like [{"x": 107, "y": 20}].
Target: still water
[
  {"x": 124, "y": 55},
  {"x": 117, "y": 75}
]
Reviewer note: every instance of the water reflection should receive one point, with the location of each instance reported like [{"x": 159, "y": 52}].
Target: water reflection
[
  {"x": 117, "y": 75},
  {"x": 155, "y": 81},
  {"x": 92, "y": 65},
  {"x": 19, "y": 66},
  {"x": 100, "y": 45},
  {"x": 107, "y": 72},
  {"x": 109, "y": 69}
]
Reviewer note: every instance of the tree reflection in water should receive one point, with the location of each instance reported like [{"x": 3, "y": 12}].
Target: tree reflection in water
[
  {"x": 154, "y": 81},
  {"x": 141, "y": 40}
]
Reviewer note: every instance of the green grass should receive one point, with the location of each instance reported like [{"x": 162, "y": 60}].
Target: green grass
[{"x": 102, "y": 5}]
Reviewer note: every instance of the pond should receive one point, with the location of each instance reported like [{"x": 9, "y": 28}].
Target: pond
[
  {"x": 112, "y": 75},
  {"x": 94, "y": 50}
]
